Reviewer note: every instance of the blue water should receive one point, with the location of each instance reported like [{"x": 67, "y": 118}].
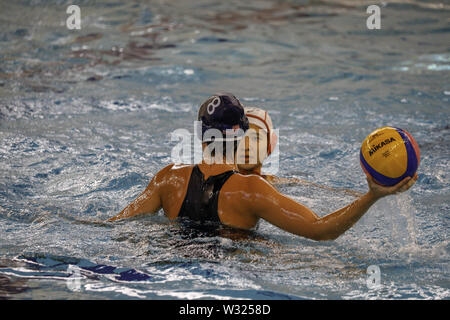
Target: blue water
[{"x": 86, "y": 118}]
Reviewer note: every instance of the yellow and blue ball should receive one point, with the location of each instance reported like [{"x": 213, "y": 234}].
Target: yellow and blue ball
[{"x": 389, "y": 155}]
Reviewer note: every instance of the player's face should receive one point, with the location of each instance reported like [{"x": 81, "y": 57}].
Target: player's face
[{"x": 252, "y": 150}]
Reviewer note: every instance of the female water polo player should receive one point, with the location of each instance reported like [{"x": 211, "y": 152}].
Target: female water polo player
[
  {"x": 217, "y": 192},
  {"x": 259, "y": 143}
]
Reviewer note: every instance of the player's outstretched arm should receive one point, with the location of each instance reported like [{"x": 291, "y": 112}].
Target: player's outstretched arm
[
  {"x": 148, "y": 201},
  {"x": 289, "y": 215}
]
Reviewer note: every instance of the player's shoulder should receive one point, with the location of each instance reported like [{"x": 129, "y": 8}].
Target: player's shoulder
[
  {"x": 174, "y": 169},
  {"x": 252, "y": 181}
]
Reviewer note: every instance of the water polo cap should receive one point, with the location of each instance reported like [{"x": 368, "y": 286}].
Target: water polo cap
[
  {"x": 261, "y": 118},
  {"x": 224, "y": 112}
]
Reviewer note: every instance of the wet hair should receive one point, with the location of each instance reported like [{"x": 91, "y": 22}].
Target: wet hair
[{"x": 224, "y": 146}]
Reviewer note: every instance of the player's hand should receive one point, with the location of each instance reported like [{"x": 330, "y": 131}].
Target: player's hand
[{"x": 379, "y": 191}]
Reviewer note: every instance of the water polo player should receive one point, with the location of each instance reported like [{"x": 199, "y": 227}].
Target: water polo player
[{"x": 215, "y": 191}]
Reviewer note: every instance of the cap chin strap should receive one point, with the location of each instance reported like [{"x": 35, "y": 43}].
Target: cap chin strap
[{"x": 271, "y": 135}]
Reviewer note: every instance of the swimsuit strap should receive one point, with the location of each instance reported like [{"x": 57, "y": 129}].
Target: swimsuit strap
[{"x": 201, "y": 200}]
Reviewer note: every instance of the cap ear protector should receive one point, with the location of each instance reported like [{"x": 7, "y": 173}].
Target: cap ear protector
[
  {"x": 272, "y": 142},
  {"x": 272, "y": 137}
]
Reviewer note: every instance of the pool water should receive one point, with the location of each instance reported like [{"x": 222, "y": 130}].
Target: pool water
[{"x": 86, "y": 118}]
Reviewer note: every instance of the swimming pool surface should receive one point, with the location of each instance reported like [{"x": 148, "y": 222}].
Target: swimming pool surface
[{"x": 86, "y": 118}]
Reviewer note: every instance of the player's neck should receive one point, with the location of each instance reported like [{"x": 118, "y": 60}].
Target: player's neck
[{"x": 255, "y": 170}]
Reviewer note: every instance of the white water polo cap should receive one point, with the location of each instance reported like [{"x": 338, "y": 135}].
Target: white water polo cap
[{"x": 261, "y": 118}]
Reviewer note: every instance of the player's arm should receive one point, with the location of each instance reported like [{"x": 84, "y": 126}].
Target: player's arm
[
  {"x": 281, "y": 181},
  {"x": 289, "y": 215},
  {"x": 148, "y": 201}
]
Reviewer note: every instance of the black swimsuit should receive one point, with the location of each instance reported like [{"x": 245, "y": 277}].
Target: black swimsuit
[{"x": 200, "y": 202}]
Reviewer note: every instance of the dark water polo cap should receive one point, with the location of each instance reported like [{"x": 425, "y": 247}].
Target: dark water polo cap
[{"x": 224, "y": 112}]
